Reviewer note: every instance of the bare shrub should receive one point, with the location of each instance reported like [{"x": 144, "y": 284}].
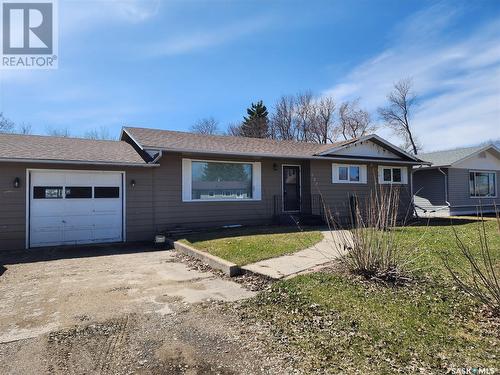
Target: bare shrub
[
  {"x": 370, "y": 245},
  {"x": 480, "y": 275}
]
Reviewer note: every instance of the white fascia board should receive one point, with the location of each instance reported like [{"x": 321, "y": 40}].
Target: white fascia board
[{"x": 124, "y": 130}]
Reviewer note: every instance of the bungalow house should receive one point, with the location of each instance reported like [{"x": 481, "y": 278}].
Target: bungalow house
[
  {"x": 66, "y": 191},
  {"x": 458, "y": 181}
]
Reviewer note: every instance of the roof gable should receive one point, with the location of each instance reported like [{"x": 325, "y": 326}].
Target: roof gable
[
  {"x": 453, "y": 157},
  {"x": 373, "y": 147},
  {"x": 366, "y": 149},
  {"x": 482, "y": 159}
]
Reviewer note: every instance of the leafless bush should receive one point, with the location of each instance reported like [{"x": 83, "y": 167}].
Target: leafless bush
[
  {"x": 480, "y": 275},
  {"x": 371, "y": 246}
]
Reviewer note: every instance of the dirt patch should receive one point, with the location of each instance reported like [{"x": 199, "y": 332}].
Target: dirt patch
[
  {"x": 131, "y": 313},
  {"x": 201, "y": 339},
  {"x": 248, "y": 280}
]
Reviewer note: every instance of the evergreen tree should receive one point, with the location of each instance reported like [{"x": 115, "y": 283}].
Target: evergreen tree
[{"x": 256, "y": 124}]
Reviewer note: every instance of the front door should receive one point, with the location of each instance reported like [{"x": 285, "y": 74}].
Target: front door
[{"x": 291, "y": 188}]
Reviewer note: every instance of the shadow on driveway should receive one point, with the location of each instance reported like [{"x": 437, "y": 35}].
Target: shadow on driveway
[{"x": 71, "y": 252}]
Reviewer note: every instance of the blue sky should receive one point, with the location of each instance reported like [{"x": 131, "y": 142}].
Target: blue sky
[{"x": 166, "y": 64}]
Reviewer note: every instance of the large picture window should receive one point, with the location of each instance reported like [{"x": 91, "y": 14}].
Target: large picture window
[
  {"x": 482, "y": 184},
  {"x": 217, "y": 180}
]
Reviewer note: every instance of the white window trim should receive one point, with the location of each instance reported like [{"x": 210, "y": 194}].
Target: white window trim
[
  {"x": 485, "y": 196},
  {"x": 404, "y": 175},
  {"x": 362, "y": 174},
  {"x": 187, "y": 181}
]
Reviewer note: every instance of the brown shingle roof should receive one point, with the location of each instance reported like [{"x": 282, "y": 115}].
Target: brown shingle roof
[
  {"x": 190, "y": 142},
  {"x": 36, "y": 147}
]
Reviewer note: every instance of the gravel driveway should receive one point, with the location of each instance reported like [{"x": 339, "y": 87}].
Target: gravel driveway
[{"x": 124, "y": 312}]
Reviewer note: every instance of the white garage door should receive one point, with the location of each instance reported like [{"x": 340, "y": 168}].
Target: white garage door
[{"x": 69, "y": 208}]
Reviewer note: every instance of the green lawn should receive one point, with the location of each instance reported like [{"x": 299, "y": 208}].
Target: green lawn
[
  {"x": 251, "y": 244},
  {"x": 341, "y": 324},
  {"x": 438, "y": 239}
]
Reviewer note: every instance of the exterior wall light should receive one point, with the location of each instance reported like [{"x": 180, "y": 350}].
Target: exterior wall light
[
  {"x": 132, "y": 183},
  {"x": 275, "y": 166},
  {"x": 17, "y": 182}
]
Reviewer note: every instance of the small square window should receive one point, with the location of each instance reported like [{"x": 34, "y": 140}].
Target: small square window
[
  {"x": 343, "y": 173},
  {"x": 387, "y": 175},
  {"x": 47, "y": 192},
  {"x": 353, "y": 173},
  {"x": 78, "y": 192},
  {"x": 396, "y": 175},
  {"x": 106, "y": 192}
]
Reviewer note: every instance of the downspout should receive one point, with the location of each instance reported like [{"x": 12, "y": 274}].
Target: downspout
[{"x": 445, "y": 187}]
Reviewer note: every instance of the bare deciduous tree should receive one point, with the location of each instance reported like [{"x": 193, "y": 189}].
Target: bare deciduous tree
[
  {"x": 234, "y": 129},
  {"x": 283, "y": 119},
  {"x": 321, "y": 129},
  {"x": 354, "y": 122},
  {"x": 398, "y": 112},
  {"x": 6, "y": 125},
  {"x": 24, "y": 128},
  {"x": 305, "y": 114},
  {"x": 58, "y": 132},
  {"x": 102, "y": 133},
  {"x": 206, "y": 126}
]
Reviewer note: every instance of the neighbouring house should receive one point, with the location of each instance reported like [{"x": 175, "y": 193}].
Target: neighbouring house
[
  {"x": 65, "y": 191},
  {"x": 458, "y": 181}
]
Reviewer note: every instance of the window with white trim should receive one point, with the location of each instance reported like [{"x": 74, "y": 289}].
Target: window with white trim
[
  {"x": 348, "y": 174},
  {"x": 206, "y": 180},
  {"x": 392, "y": 175},
  {"x": 482, "y": 184}
]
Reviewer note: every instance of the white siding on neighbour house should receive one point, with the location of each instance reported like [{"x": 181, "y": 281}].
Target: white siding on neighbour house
[{"x": 485, "y": 160}]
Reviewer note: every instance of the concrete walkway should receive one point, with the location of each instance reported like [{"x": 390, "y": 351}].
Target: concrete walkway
[{"x": 330, "y": 248}]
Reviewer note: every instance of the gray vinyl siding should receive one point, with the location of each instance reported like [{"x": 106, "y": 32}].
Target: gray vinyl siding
[
  {"x": 171, "y": 211},
  {"x": 429, "y": 188},
  {"x": 155, "y": 205},
  {"x": 139, "y": 205},
  {"x": 336, "y": 196},
  {"x": 459, "y": 194}
]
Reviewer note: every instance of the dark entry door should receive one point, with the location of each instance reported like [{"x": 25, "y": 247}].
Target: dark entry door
[{"x": 291, "y": 188}]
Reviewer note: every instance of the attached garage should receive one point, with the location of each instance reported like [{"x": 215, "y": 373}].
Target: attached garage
[
  {"x": 75, "y": 207},
  {"x": 66, "y": 191}
]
